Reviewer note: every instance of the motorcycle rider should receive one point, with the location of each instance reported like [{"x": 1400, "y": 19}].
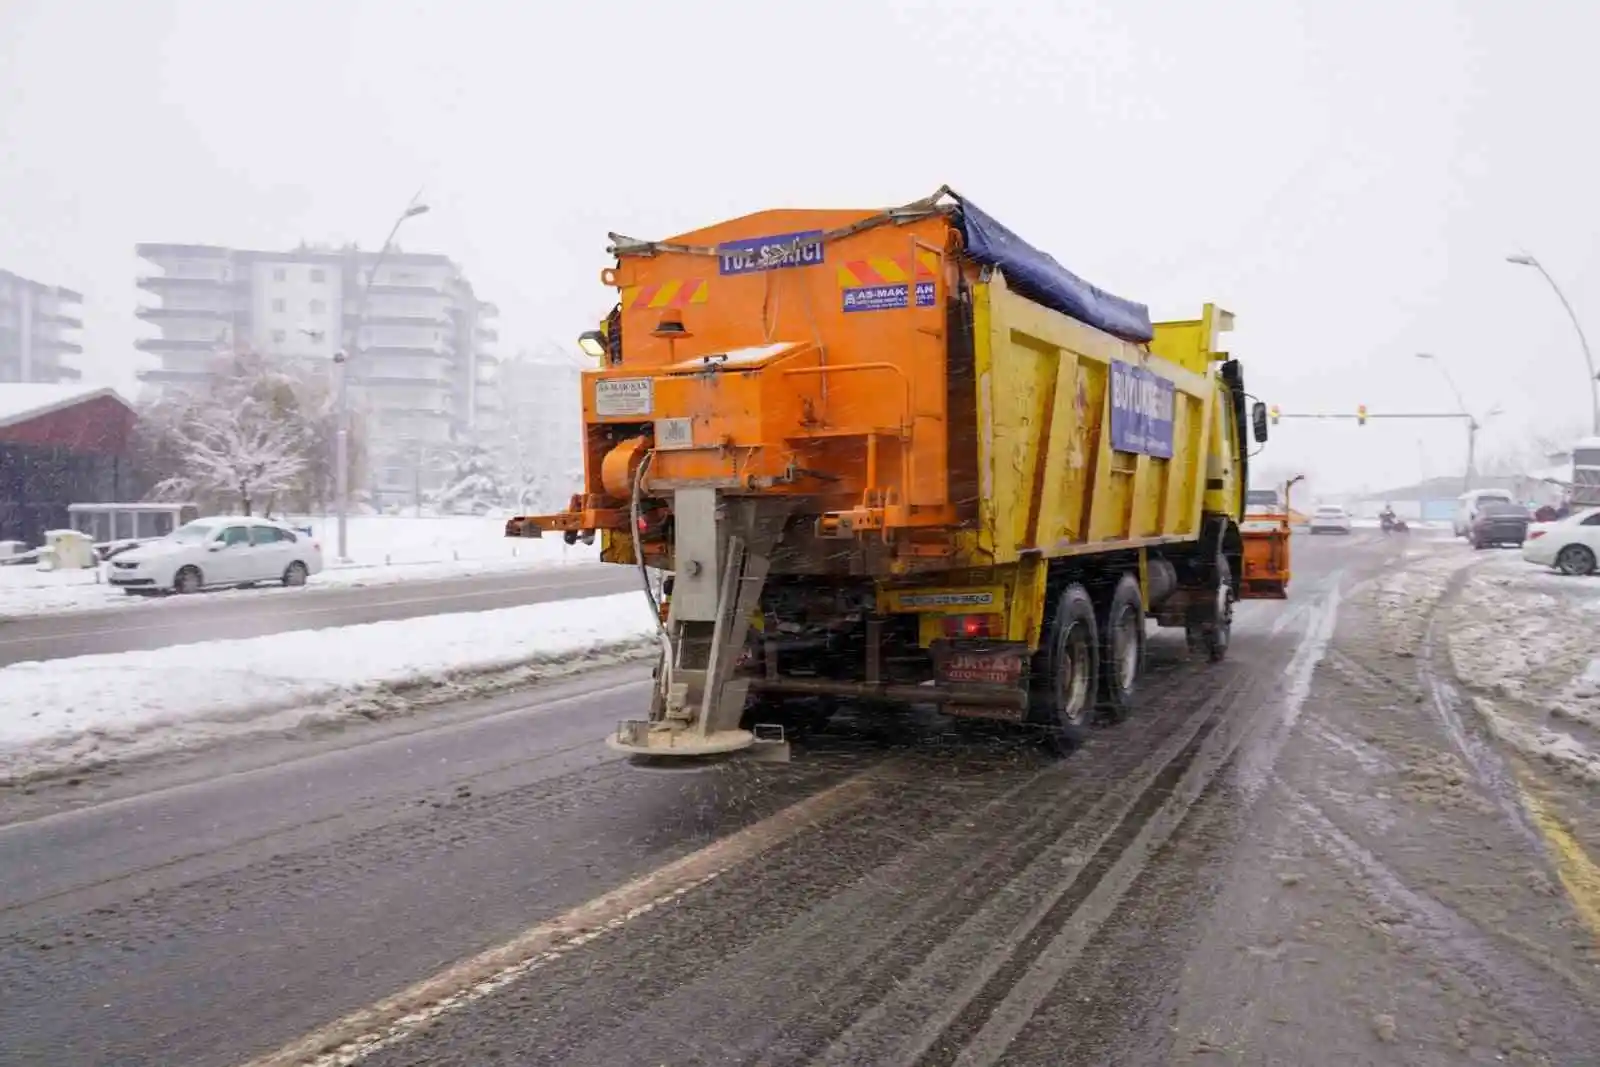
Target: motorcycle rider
[{"x": 1386, "y": 516}]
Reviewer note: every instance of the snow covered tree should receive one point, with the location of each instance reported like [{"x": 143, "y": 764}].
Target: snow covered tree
[
  {"x": 254, "y": 435},
  {"x": 474, "y": 485},
  {"x": 250, "y": 454}
]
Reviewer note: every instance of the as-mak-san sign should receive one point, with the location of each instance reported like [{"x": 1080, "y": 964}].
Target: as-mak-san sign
[{"x": 1142, "y": 407}]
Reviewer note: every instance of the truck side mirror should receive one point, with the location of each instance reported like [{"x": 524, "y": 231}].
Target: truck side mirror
[{"x": 1258, "y": 420}]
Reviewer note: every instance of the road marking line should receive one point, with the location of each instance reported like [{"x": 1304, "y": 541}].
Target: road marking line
[
  {"x": 1579, "y": 874},
  {"x": 191, "y": 623},
  {"x": 351, "y": 1039}
]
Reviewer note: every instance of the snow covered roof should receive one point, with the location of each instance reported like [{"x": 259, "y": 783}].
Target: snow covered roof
[
  {"x": 23, "y": 401},
  {"x": 1588, "y": 442}
]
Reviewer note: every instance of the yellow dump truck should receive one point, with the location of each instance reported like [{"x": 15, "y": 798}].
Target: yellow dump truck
[{"x": 902, "y": 456}]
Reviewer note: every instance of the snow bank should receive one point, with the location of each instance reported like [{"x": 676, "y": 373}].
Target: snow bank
[
  {"x": 384, "y": 549},
  {"x": 85, "y": 709},
  {"x": 26, "y": 591},
  {"x": 405, "y": 540},
  {"x": 1524, "y": 639}
]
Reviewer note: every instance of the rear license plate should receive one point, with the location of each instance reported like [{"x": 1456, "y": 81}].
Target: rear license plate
[{"x": 998, "y": 666}]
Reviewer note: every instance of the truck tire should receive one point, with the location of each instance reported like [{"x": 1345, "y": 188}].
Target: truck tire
[
  {"x": 1121, "y": 648},
  {"x": 1210, "y": 628},
  {"x": 1067, "y": 669}
]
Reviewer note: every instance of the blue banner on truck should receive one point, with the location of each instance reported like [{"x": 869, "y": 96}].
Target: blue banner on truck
[
  {"x": 1142, "y": 405},
  {"x": 782, "y": 251}
]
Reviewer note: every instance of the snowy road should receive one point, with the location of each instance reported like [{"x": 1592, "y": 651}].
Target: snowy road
[
  {"x": 1295, "y": 857},
  {"x": 253, "y": 613}
]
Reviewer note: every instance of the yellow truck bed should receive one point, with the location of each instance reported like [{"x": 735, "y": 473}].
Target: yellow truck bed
[{"x": 902, "y": 455}]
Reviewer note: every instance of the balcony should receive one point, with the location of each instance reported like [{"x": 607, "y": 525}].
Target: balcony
[
  {"x": 383, "y": 381},
  {"x": 69, "y": 374},
  {"x": 67, "y": 322},
  {"x": 406, "y": 289},
  {"x": 166, "y": 376},
  {"x": 169, "y": 283},
  {"x": 428, "y": 351},
  {"x": 487, "y": 310},
  {"x": 428, "y": 322},
  {"x": 487, "y": 334},
  {"x": 56, "y": 344},
  {"x": 181, "y": 344},
  {"x": 168, "y": 314},
  {"x": 158, "y": 252}
]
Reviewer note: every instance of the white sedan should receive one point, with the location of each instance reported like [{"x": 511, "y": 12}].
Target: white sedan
[
  {"x": 222, "y": 550},
  {"x": 1330, "y": 518},
  {"x": 1571, "y": 546}
]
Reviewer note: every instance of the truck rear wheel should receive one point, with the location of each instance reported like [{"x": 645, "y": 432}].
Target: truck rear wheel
[
  {"x": 1067, "y": 668},
  {"x": 1210, "y": 626},
  {"x": 1121, "y": 648}
]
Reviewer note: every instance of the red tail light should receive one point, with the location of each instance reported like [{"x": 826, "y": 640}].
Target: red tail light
[
  {"x": 652, "y": 525},
  {"x": 966, "y": 627},
  {"x": 1534, "y": 535}
]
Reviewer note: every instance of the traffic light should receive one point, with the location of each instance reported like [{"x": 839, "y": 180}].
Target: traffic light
[
  {"x": 1361, "y": 414},
  {"x": 1276, "y": 411}
]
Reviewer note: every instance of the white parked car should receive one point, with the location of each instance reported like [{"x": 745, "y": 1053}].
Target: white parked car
[
  {"x": 1330, "y": 518},
  {"x": 1571, "y": 546},
  {"x": 221, "y": 550}
]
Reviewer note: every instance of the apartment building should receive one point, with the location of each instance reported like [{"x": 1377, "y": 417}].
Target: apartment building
[
  {"x": 38, "y": 326},
  {"x": 418, "y": 340},
  {"x": 541, "y": 432}
]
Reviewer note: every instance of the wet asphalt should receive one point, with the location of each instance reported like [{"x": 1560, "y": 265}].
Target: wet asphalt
[
  {"x": 1197, "y": 884},
  {"x": 162, "y": 621}
]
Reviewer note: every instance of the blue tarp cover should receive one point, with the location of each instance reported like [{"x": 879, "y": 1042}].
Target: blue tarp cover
[{"x": 1039, "y": 277}]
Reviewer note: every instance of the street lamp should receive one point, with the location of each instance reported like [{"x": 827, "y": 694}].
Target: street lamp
[
  {"x": 1526, "y": 260},
  {"x": 341, "y": 360}
]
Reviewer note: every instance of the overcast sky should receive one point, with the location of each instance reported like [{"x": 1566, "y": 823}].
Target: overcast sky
[{"x": 1346, "y": 177}]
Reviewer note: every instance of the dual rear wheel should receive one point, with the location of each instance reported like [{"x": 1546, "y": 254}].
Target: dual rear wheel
[{"x": 1088, "y": 668}]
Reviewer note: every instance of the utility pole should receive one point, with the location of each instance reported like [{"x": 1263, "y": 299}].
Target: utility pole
[{"x": 1473, "y": 425}]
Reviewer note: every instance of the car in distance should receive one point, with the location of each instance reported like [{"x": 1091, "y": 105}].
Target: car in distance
[
  {"x": 223, "y": 550},
  {"x": 1330, "y": 518},
  {"x": 1499, "y": 523},
  {"x": 1468, "y": 505}
]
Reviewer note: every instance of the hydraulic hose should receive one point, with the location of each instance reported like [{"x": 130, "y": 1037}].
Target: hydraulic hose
[{"x": 664, "y": 678}]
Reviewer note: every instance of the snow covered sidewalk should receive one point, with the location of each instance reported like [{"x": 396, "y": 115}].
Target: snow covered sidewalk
[
  {"x": 384, "y": 550},
  {"x": 83, "y": 710}
]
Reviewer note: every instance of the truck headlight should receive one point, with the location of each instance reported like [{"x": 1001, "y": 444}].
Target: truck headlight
[{"x": 593, "y": 343}]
